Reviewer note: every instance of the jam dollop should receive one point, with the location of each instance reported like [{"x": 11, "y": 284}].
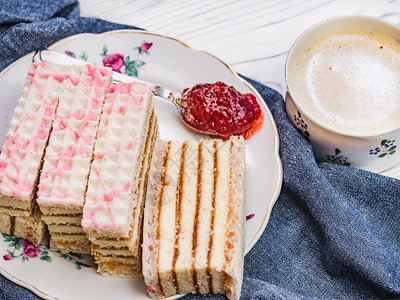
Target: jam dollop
[{"x": 219, "y": 109}]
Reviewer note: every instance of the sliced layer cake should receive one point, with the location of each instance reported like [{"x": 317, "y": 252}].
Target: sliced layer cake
[
  {"x": 23, "y": 150},
  {"x": 193, "y": 235},
  {"x": 112, "y": 215},
  {"x": 66, "y": 167}
]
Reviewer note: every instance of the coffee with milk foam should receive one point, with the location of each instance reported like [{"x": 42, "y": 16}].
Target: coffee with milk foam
[{"x": 350, "y": 81}]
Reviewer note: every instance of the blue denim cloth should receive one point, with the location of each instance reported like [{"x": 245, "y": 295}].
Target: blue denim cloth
[
  {"x": 334, "y": 232},
  {"x": 26, "y": 26}
]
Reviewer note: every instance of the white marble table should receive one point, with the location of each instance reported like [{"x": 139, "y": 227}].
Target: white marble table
[{"x": 253, "y": 36}]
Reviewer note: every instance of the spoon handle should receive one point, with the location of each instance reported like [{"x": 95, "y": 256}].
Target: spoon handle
[
  {"x": 62, "y": 59},
  {"x": 167, "y": 94}
]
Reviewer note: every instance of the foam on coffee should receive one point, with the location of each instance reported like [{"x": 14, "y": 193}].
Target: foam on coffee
[{"x": 350, "y": 81}]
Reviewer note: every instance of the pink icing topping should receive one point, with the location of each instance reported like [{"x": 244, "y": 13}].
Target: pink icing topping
[
  {"x": 77, "y": 148},
  {"x": 105, "y": 200},
  {"x": 13, "y": 146}
]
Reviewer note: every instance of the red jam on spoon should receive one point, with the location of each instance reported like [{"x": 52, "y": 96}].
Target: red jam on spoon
[{"x": 219, "y": 109}]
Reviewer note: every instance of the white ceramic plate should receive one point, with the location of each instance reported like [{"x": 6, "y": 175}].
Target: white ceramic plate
[{"x": 161, "y": 60}]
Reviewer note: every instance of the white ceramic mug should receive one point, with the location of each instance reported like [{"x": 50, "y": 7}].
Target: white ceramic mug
[{"x": 374, "y": 152}]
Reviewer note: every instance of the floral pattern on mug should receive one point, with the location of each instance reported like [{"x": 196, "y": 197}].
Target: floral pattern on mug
[
  {"x": 302, "y": 126},
  {"x": 338, "y": 158},
  {"x": 387, "y": 148}
]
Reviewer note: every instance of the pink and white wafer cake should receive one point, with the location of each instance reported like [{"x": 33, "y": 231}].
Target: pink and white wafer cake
[
  {"x": 23, "y": 150},
  {"x": 193, "y": 232},
  {"x": 112, "y": 214},
  {"x": 69, "y": 153}
]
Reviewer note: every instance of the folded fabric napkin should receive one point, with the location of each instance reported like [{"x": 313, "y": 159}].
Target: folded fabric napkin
[{"x": 334, "y": 231}]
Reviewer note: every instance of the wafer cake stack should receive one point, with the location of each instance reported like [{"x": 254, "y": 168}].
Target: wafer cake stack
[
  {"x": 193, "y": 235},
  {"x": 69, "y": 153},
  {"x": 113, "y": 210},
  {"x": 31, "y": 228},
  {"x": 22, "y": 154}
]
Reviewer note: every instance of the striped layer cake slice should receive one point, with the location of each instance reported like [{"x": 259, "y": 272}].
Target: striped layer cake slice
[
  {"x": 193, "y": 234},
  {"x": 21, "y": 158},
  {"x": 69, "y": 153},
  {"x": 112, "y": 215}
]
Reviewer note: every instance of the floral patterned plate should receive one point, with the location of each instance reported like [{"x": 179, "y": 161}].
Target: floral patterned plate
[{"x": 164, "y": 61}]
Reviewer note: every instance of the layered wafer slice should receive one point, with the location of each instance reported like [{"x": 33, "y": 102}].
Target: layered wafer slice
[
  {"x": 31, "y": 228},
  {"x": 112, "y": 215},
  {"x": 193, "y": 234},
  {"x": 69, "y": 153},
  {"x": 23, "y": 150}
]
